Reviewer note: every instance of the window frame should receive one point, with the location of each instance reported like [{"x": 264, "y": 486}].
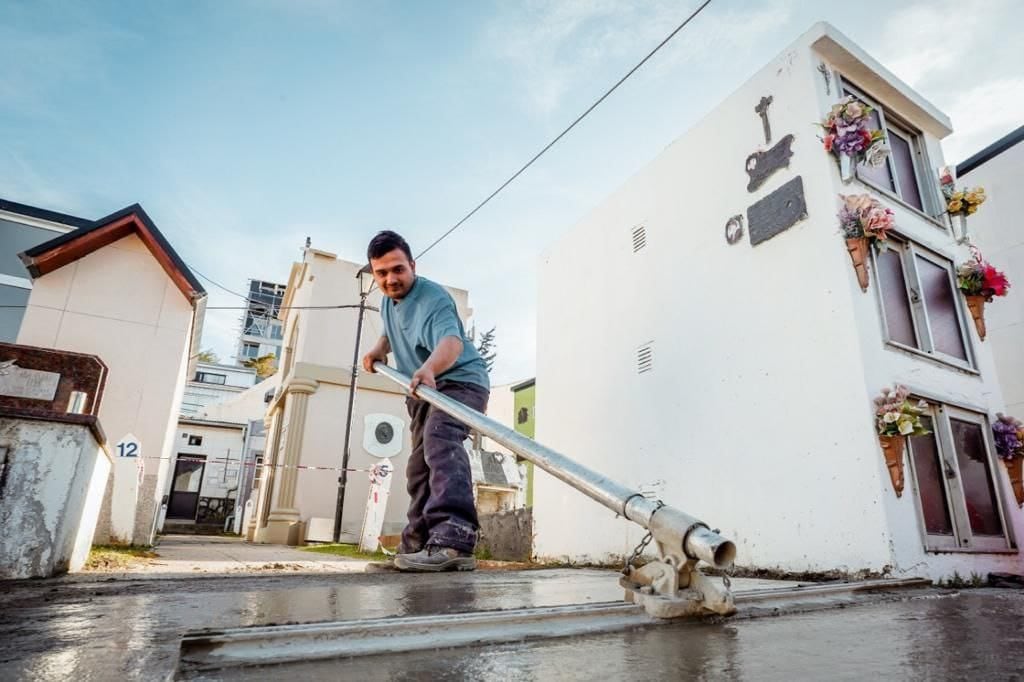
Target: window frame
[
  {"x": 246, "y": 345},
  {"x": 202, "y": 378},
  {"x": 963, "y": 539},
  {"x": 931, "y": 207},
  {"x": 909, "y": 251}
]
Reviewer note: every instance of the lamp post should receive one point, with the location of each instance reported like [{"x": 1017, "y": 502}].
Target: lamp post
[{"x": 364, "y": 292}]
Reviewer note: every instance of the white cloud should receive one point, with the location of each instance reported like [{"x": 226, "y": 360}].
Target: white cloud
[
  {"x": 925, "y": 41},
  {"x": 983, "y": 114},
  {"x": 955, "y": 53}
]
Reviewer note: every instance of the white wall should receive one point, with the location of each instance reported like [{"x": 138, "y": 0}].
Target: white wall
[
  {"x": 239, "y": 377},
  {"x": 996, "y": 229},
  {"x": 500, "y": 407},
  {"x": 757, "y": 415},
  {"x": 222, "y": 448},
  {"x": 199, "y": 395},
  {"x": 55, "y": 481},
  {"x": 119, "y": 304},
  {"x": 741, "y": 336},
  {"x": 322, "y": 446},
  {"x": 245, "y": 406}
]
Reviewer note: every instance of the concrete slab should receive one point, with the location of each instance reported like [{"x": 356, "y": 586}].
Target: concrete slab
[
  {"x": 103, "y": 628},
  {"x": 106, "y": 627}
]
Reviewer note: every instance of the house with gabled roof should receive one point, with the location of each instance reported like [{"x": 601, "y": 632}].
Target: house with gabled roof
[{"x": 116, "y": 288}]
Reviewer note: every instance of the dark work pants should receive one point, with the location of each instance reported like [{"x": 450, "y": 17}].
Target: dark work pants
[{"x": 440, "y": 483}]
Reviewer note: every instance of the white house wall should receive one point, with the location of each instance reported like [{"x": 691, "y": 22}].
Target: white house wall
[
  {"x": 756, "y": 415},
  {"x": 997, "y": 230},
  {"x": 248, "y": 405},
  {"x": 322, "y": 446},
  {"x": 119, "y": 304},
  {"x": 885, "y": 365},
  {"x": 222, "y": 449},
  {"x": 743, "y": 339},
  {"x": 500, "y": 407}
]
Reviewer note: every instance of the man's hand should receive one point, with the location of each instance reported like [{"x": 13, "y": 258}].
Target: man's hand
[
  {"x": 375, "y": 355},
  {"x": 423, "y": 376}
]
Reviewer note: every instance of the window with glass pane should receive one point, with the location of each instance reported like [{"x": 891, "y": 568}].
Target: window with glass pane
[
  {"x": 958, "y": 500},
  {"x": 943, "y": 315},
  {"x": 902, "y": 156},
  {"x": 878, "y": 175},
  {"x": 898, "y": 318},
  {"x": 931, "y": 486},
  {"x": 899, "y": 173},
  {"x": 976, "y": 478},
  {"x": 916, "y": 289}
]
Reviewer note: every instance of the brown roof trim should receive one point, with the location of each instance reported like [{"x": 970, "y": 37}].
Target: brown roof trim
[{"x": 68, "y": 248}]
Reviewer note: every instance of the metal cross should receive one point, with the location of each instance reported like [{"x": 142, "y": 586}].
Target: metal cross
[{"x": 762, "y": 110}]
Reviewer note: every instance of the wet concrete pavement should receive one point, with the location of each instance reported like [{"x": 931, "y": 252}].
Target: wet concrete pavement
[
  {"x": 973, "y": 636},
  {"x": 116, "y": 629}
]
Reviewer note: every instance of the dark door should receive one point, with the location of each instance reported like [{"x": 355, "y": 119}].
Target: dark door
[{"x": 188, "y": 479}]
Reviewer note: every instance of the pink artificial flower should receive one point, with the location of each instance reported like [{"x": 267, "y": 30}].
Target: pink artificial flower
[
  {"x": 878, "y": 221},
  {"x": 996, "y": 281},
  {"x": 829, "y": 139}
]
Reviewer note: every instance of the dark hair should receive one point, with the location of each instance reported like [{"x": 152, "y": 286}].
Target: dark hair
[{"x": 387, "y": 241}]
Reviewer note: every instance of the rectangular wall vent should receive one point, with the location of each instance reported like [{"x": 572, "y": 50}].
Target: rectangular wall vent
[
  {"x": 644, "y": 358},
  {"x": 639, "y": 238}
]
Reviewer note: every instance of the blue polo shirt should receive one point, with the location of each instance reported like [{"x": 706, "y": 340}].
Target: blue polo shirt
[{"x": 417, "y": 323}]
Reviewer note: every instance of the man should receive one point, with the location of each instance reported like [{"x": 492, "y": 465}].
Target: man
[{"x": 423, "y": 330}]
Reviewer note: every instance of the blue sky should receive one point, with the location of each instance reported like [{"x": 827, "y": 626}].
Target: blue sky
[{"x": 244, "y": 126}]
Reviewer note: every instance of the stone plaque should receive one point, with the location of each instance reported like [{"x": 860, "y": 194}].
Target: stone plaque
[
  {"x": 761, "y": 165},
  {"x": 777, "y": 212},
  {"x": 27, "y": 383}
]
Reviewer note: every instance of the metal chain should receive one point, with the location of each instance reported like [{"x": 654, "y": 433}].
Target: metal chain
[
  {"x": 726, "y": 572},
  {"x": 639, "y": 549}
]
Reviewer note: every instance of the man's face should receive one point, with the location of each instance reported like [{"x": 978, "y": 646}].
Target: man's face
[{"x": 394, "y": 273}]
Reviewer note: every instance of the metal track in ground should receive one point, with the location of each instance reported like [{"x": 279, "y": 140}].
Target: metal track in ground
[{"x": 274, "y": 644}]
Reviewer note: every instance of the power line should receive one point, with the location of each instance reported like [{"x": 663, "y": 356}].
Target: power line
[
  {"x": 564, "y": 132},
  {"x": 228, "y": 307},
  {"x": 221, "y": 286}
]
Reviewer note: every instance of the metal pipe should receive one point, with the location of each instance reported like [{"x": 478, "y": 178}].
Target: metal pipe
[{"x": 668, "y": 525}]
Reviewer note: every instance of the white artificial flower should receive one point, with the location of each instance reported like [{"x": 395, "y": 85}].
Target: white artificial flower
[{"x": 876, "y": 154}]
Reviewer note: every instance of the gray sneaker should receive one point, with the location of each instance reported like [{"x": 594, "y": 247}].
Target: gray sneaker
[
  {"x": 388, "y": 565},
  {"x": 435, "y": 559}
]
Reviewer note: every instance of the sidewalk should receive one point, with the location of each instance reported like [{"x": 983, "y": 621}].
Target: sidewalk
[{"x": 184, "y": 555}]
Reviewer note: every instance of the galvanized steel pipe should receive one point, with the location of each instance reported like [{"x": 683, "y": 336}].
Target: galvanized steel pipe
[{"x": 668, "y": 525}]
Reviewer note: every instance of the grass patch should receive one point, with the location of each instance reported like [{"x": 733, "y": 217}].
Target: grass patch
[
  {"x": 113, "y": 557},
  {"x": 345, "y": 550}
]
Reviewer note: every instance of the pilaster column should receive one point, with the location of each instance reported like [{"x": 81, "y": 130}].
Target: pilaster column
[{"x": 283, "y": 523}]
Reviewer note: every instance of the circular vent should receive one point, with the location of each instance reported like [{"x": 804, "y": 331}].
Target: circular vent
[{"x": 384, "y": 433}]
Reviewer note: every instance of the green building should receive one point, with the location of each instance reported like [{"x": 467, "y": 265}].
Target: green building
[{"x": 523, "y": 418}]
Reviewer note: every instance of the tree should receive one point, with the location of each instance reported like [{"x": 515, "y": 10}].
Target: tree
[
  {"x": 487, "y": 348},
  {"x": 208, "y": 355},
  {"x": 265, "y": 365}
]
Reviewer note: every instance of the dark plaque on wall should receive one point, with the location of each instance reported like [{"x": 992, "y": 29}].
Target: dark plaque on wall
[
  {"x": 777, "y": 212},
  {"x": 761, "y": 165}
]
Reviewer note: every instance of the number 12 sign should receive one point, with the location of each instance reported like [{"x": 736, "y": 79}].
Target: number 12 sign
[{"x": 129, "y": 447}]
